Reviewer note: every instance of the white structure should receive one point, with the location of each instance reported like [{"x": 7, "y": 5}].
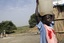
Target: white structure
[{"x": 58, "y": 2}]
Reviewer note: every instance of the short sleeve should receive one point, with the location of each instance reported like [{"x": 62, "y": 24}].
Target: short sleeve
[{"x": 39, "y": 25}]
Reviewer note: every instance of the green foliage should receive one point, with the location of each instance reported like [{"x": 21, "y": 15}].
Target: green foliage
[
  {"x": 8, "y": 26},
  {"x": 32, "y": 21}
]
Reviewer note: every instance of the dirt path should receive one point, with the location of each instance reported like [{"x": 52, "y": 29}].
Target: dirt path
[{"x": 21, "y": 38}]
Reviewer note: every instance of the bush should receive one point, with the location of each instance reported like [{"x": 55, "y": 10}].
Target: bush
[{"x": 8, "y": 26}]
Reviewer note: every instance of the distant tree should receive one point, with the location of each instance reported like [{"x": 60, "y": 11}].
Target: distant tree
[
  {"x": 8, "y": 26},
  {"x": 32, "y": 21},
  {"x": 1, "y": 29}
]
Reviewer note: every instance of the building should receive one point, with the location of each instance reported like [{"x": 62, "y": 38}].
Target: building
[{"x": 58, "y": 10}]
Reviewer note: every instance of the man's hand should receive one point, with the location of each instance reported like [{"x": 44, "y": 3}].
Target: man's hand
[{"x": 37, "y": 2}]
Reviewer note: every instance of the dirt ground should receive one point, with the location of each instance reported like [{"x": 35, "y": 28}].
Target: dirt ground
[{"x": 21, "y": 38}]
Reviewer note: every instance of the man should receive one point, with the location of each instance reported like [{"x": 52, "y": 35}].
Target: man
[{"x": 47, "y": 34}]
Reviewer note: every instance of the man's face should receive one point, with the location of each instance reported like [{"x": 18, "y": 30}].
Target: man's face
[{"x": 47, "y": 19}]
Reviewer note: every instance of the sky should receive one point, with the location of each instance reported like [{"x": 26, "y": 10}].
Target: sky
[{"x": 17, "y": 11}]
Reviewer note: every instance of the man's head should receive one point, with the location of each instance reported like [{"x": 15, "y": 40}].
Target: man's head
[{"x": 47, "y": 19}]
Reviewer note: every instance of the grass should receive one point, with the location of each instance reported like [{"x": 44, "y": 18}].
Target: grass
[{"x": 22, "y": 29}]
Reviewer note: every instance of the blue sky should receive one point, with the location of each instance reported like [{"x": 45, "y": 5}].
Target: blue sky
[{"x": 17, "y": 11}]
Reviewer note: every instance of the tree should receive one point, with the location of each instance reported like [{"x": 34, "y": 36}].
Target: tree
[
  {"x": 32, "y": 21},
  {"x": 8, "y": 26}
]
